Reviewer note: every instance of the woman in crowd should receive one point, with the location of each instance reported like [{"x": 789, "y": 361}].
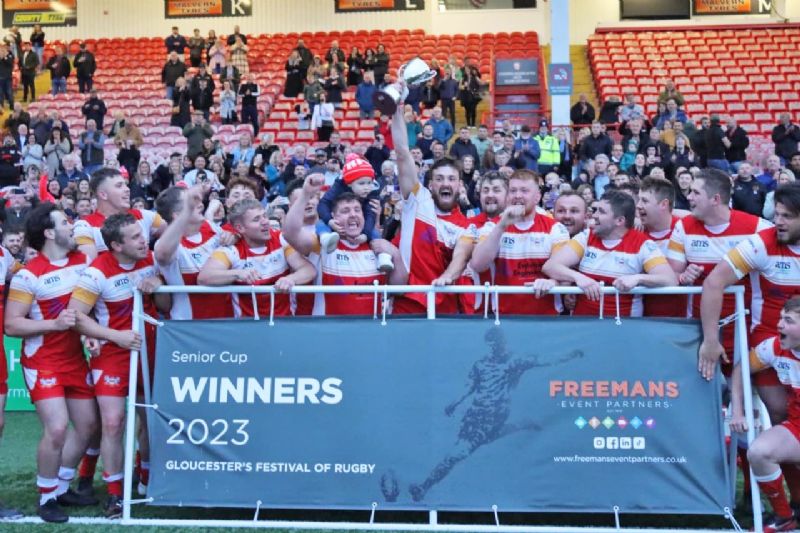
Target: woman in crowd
[
  {"x": 295, "y": 75},
  {"x": 181, "y": 98},
  {"x": 227, "y": 103},
  {"x": 682, "y": 155},
  {"x": 639, "y": 168},
  {"x": 784, "y": 176},
  {"x": 275, "y": 167},
  {"x": 141, "y": 184},
  {"x": 238, "y": 56},
  {"x": 56, "y": 148},
  {"x": 370, "y": 60},
  {"x": 32, "y": 153},
  {"x": 355, "y": 67},
  {"x": 334, "y": 85},
  {"x": 469, "y": 94},
  {"x": 215, "y": 52},
  {"x": 322, "y": 119},
  {"x": 381, "y": 64}
]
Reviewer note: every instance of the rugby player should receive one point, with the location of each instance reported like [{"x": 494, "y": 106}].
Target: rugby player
[
  {"x": 611, "y": 252},
  {"x": 260, "y": 257},
  {"x": 352, "y": 263},
  {"x": 55, "y": 369},
  {"x": 571, "y": 211},
  {"x": 106, "y": 289},
  {"x": 113, "y": 196},
  {"x": 519, "y": 244},
  {"x": 182, "y": 250},
  {"x": 779, "y": 445}
]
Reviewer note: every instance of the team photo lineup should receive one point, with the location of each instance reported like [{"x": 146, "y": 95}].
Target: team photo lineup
[{"x": 436, "y": 193}]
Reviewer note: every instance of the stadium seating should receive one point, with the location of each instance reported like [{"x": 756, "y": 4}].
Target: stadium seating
[
  {"x": 750, "y": 73},
  {"x": 129, "y": 78}
]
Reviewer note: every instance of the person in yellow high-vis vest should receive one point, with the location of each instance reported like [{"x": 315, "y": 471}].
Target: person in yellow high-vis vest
[{"x": 549, "y": 148}]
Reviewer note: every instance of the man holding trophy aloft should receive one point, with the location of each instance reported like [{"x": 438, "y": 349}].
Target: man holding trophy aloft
[{"x": 434, "y": 242}]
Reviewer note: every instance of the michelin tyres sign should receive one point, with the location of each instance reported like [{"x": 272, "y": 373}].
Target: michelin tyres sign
[{"x": 451, "y": 414}]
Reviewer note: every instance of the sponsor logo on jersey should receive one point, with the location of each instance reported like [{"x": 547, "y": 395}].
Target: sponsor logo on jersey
[
  {"x": 121, "y": 282},
  {"x": 783, "y": 265},
  {"x": 699, "y": 243},
  {"x": 111, "y": 381},
  {"x": 52, "y": 279},
  {"x": 48, "y": 383}
]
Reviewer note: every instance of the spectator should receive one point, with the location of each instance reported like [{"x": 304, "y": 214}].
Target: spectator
[
  {"x": 582, "y": 112},
  {"x": 448, "y": 92},
  {"x": 549, "y": 149},
  {"x": 37, "y": 43},
  {"x": 598, "y": 142},
  {"x": 181, "y": 98},
  {"x": 377, "y": 153},
  {"x": 312, "y": 91},
  {"x": 227, "y": 104},
  {"x": 129, "y": 155},
  {"x": 295, "y": 74},
  {"x": 425, "y": 141},
  {"x": 267, "y": 147},
  {"x": 430, "y": 95},
  {"x": 200, "y": 175},
  {"x": 736, "y": 142},
  {"x": 673, "y": 114},
  {"x": 196, "y": 132},
  {"x": 784, "y": 176},
  {"x": 381, "y": 66},
  {"x": 794, "y": 163},
  {"x": 91, "y": 144},
  {"x": 616, "y": 153},
  {"x": 196, "y": 45},
  {"x": 6, "y": 71},
  {"x": 141, "y": 184},
  {"x": 19, "y": 117},
  {"x": 609, "y": 112},
  {"x": 715, "y": 147},
  {"x": 670, "y": 92},
  {"x": 631, "y": 110},
  {"x": 355, "y": 67},
  {"x": 481, "y": 141},
  {"x": 526, "y": 150},
  {"x": 244, "y": 151},
  {"x": 335, "y": 56},
  {"x": 29, "y": 65},
  {"x": 333, "y": 171},
  {"x": 238, "y": 55},
  {"x": 9, "y": 162},
  {"x": 601, "y": 179},
  {"x": 202, "y": 98},
  {"x": 772, "y": 165},
  {"x": 335, "y": 148},
  {"x": 70, "y": 176},
  {"x": 785, "y": 136},
  {"x": 565, "y": 152},
  {"x": 306, "y": 57},
  {"x": 334, "y": 85},
  {"x": 175, "y": 42},
  {"x": 364, "y": 94},
  {"x": 236, "y": 34},
  {"x": 635, "y": 131},
  {"x": 94, "y": 109},
  {"x": 322, "y": 119},
  {"x": 682, "y": 155},
  {"x": 463, "y": 146},
  {"x": 470, "y": 93},
  {"x": 442, "y": 129},
  {"x": 173, "y": 69},
  {"x": 250, "y": 92},
  {"x": 55, "y": 150},
  {"x": 32, "y": 153},
  {"x": 749, "y": 194},
  {"x": 85, "y": 67},
  {"x": 370, "y": 61},
  {"x": 216, "y": 53}
]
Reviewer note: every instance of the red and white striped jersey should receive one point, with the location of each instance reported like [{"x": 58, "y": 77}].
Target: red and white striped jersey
[
  {"x": 672, "y": 305},
  {"x": 605, "y": 261},
  {"x": 777, "y": 278},
  {"x": 270, "y": 263},
  {"x": 87, "y": 229},
  {"x": 694, "y": 242},
  {"x": 348, "y": 265},
  {"x": 524, "y": 249},
  {"x": 769, "y": 354},
  {"x": 47, "y": 287},
  {"x": 426, "y": 245},
  {"x": 107, "y": 286},
  {"x": 189, "y": 258}
]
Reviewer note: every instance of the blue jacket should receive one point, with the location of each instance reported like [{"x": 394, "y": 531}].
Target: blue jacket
[
  {"x": 325, "y": 207},
  {"x": 448, "y": 89},
  {"x": 442, "y": 129},
  {"x": 529, "y": 152},
  {"x": 364, "y": 93}
]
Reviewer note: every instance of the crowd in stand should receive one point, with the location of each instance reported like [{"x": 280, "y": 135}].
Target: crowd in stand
[{"x": 620, "y": 200}]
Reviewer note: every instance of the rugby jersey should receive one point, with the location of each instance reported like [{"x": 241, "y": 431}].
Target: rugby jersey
[
  {"x": 671, "y": 305},
  {"x": 769, "y": 354},
  {"x": 605, "y": 261},
  {"x": 348, "y": 265},
  {"x": 47, "y": 287},
  {"x": 87, "y": 229}
]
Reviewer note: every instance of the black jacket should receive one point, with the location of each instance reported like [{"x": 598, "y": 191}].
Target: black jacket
[
  {"x": 591, "y": 146},
  {"x": 786, "y": 140},
  {"x": 578, "y": 116},
  {"x": 739, "y": 143},
  {"x": 28, "y": 63},
  {"x": 6, "y": 66},
  {"x": 94, "y": 109},
  {"x": 171, "y": 72},
  {"x": 749, "y": 196},
  {"x": 460, "y": 148},
  {"x": 59, "y": 67},
  {"x": 85, "y": 64},
  {"x": 714, "y": 147}
]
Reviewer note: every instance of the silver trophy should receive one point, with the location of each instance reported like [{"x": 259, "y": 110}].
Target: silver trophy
[{"x": 415, "y": 72}]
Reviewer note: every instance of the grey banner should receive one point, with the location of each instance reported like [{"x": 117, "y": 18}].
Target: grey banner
[{"x": 460, "y": 414}]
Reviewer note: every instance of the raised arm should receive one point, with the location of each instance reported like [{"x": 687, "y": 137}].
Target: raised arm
[
  {"x": 406, "y": 169},
  {"x": 167, "y": 245},
  {"x": 296, "y": 234}
]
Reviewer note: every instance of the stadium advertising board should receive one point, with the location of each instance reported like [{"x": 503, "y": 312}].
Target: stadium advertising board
[
  {"x": 18, "y": 398},
  {"x": 44, "y": 12},
  {"x": 207, "y": 8},
  {"x": 732, "y": 7},
  {"x": 516, "y": 72},
  {"x": 451, "y": 414},
  {"x": 346, "y": 6}
]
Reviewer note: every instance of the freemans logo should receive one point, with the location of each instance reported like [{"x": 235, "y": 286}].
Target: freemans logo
[{"x": 614, "y": 389}]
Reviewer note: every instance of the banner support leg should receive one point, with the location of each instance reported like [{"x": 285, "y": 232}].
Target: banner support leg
[
  {"x": 431, "y": 303},
  {"x": 616, "y": 516},
  {"x": 433, "y": 518},
  {"x": 258, "y": 508},
  {"x": 372, "y": 513},
  {"x": 130, "y": 422},
  {"x": 496, "y": 516}
]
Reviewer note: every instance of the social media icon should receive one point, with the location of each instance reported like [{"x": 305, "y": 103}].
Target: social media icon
[
  {"x": 625, "y": 443},
  {"x": 612, "y": 443},
  {"x": 599, "y": 443},
  {"x": 638, "y": 443}
]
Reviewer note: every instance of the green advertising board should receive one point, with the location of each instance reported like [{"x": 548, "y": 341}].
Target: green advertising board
[{"x": 18, "y": 397}]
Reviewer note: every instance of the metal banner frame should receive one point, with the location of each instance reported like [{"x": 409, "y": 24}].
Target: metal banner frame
[{"x": 382, "y": 292}]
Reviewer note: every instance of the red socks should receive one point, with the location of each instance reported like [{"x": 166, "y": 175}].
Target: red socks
[{"x": 772, "y": 487}]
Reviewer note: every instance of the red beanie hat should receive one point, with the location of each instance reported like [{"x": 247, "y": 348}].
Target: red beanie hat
[{"x": 356, "y": 168}]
